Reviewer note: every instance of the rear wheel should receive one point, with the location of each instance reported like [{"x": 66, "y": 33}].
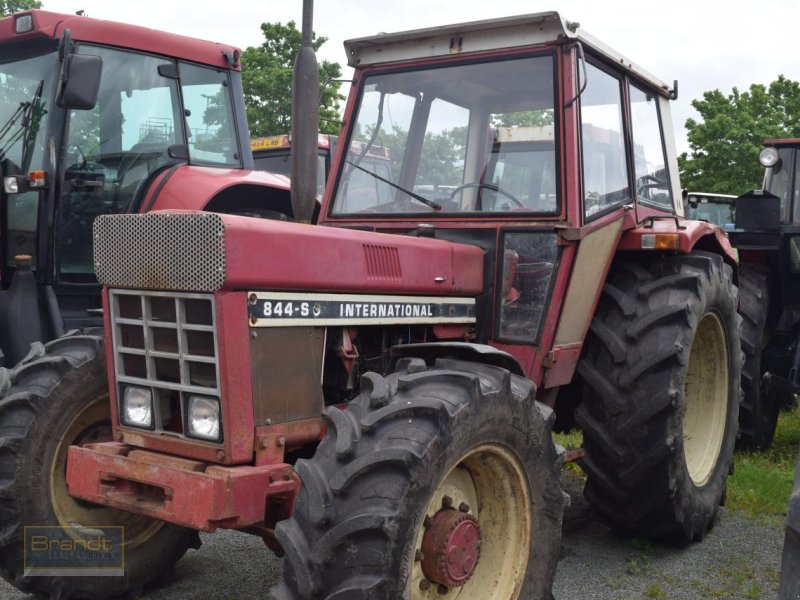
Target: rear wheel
[
  {"x": 662, "y": 368},
  {"x": 758, "y": 414},
  {"x": 440, "y": 480},
  {"x": 57, "y": 397}
]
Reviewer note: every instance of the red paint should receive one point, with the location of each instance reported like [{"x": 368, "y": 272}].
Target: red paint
[
  {"x": 562, "y": 361},
  {"x": 334, "y": 260},
  {"x": 451, "y": 548},
  {"x": 191, "y": 187},
  {"x": 689, "y": 235},
  {"x": 109, "y": 33},
  {"x": 179, "y": 491}
]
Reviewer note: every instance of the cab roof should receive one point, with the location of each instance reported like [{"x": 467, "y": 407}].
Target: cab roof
[
  {"x": 783, "y": 142},
  {"x": 110, "y": 33},
  {"x": 478, "y": 36}
]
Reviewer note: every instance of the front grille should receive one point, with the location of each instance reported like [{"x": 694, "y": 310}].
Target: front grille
[
  {"x": 169, "y": 250},
  {"x": 165, "y": 342}
]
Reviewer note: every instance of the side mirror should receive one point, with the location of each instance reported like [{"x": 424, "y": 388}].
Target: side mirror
[{"x": 81, "y": 82}]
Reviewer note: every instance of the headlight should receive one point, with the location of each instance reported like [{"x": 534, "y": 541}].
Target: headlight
[
  {"x": 203, "y": 418},
  {"x": 137, "y": 407},
  {"x": 769, "y": 157}
]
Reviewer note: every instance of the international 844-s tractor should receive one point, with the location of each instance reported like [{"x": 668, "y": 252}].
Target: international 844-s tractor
[{"x": 374, "y": 395}]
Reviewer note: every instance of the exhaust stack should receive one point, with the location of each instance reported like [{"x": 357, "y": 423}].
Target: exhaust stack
[{"x": 305, "y": 122}]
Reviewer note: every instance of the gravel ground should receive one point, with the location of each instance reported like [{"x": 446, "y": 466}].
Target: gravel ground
[{"x": 740, "y": 558}]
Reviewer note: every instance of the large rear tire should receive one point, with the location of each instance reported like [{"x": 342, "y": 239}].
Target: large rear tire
[
  {"x": 56, "y": 397},
  {"x": 434, "y": 476},
  {"x": 662, "y": 368},
  {"x": 758, "y": 414}
]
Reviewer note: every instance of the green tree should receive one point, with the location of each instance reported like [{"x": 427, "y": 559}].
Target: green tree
[
  {"x": 724, "y": 145},
  {"x": 9, "y": 7},
  {"x": 267, "y": 82}
]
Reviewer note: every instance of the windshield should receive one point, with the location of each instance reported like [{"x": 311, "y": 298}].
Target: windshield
[
  {"x": 472, "y": 138},
  {"x": 280, "y": 163},
  {"x": 25, "y": 88},
  {"x": 705, "y": 208}
]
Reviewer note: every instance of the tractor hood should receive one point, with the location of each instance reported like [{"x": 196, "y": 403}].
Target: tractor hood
[{"x": 206, "y": 252}]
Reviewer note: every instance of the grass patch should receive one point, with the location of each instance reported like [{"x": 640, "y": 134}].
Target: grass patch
[
  {"x": 762, "y": 482},
  {"x": 570, "y": 441}
]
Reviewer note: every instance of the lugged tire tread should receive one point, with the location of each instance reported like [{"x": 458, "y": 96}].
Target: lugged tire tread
[
  {"x": 758, "y": 413},
  {"x": 629, "y": 406},
  {"x": 25, "y": 392},
  {"x": 367, "y": 485}
]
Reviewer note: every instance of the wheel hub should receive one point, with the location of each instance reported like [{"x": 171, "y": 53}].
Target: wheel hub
[{"x": 451, "y": 548}]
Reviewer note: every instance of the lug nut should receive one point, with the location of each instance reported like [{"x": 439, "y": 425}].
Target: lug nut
[
  {"x": 463, "y": 507},
  {"x": 447, "y": 502},
  {"x": 424, "y": 585}
]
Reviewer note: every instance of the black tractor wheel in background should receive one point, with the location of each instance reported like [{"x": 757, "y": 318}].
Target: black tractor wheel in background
[
  {"x": 56, "y": 397},
  {"x": 758, "y": 414},
  {"x": 662, "y": 368},
  {"x": 435, "y": 480}
]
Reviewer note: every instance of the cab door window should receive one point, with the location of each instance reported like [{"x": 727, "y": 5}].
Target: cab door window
[
  {"x": 209, "y": 116},
  {"x": 649, "y": 161},
  {"x": 605, "y": 178},
  {"x": 114, "y": 150}
]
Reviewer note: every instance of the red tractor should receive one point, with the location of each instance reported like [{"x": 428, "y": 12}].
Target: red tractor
[
  {"x": 374, "y": 395},
  {"x": 105, "y": 118}
]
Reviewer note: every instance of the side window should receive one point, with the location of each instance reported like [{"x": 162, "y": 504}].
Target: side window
[
  {"x": 529, "y": 261},
  {"x": 605, "y": 178},
  {"x": 209, "y": 117},
  {"x": 782, "y": 181},
  {"x": 652, "y": 178}
]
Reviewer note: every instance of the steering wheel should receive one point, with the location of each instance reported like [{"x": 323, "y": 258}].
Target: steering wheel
[
  {"x": 488, "y": 186},
  {"x": 136, "y": 155}
]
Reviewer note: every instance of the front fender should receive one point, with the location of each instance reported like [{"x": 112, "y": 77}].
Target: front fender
[{"x": 479, "y": 353}]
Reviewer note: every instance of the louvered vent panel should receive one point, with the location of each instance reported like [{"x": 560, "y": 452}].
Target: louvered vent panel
[{"x": 383, "y": 262}]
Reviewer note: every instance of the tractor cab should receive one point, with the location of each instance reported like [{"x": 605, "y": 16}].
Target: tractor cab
[{"x": 93, "y": 114}]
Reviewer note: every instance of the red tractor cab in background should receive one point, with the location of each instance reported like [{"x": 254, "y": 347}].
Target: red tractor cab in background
[{"x": 101, "y": 118}]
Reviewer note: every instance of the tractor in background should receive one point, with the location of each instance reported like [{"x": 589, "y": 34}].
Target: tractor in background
[
  {"x": 374, "y": 395},
  {"x": 766, "y": 234},
  {"x": 104, "y": 118}
]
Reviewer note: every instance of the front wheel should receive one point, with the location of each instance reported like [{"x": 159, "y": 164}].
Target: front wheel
[
  {"x": 435, "y": 480},
  {"x": 57, "y": 397},
  {"x": 662, "y": 367}
]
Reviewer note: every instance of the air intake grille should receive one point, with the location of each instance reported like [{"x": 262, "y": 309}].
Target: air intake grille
[
  {"x": 175, "y": 251},
  {"x": 383, "y": 262}
]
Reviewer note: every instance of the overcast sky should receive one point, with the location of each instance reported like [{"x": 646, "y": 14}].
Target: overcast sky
[{"x": 704, "y": 44}]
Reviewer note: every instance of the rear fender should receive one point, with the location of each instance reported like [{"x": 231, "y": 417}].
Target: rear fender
[
  {"x": 686, "y": 236},
  {"x": 190, "y": 187}
]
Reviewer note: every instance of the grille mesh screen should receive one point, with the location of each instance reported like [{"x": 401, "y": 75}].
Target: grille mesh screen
[{"x": 175, "y": 251}]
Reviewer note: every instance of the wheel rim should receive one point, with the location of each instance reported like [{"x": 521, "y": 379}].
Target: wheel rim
[
  {"x": 705, "y": 410},
  {"x": 92, "y": 425},
  {"x": 485, "y": 495}
]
